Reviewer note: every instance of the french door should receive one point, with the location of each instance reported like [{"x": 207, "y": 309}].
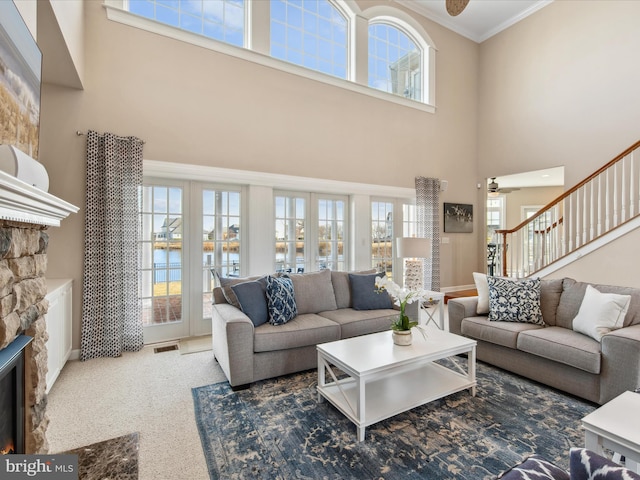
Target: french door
[{"x": 187, "y": 230}]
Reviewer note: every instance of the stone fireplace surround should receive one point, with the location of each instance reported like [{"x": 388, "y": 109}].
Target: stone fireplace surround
[{"x": 25, "y": 215}]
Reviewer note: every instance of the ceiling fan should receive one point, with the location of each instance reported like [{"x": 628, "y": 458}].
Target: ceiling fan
[
  {"x": 494, "y": 188},
  {"x": 455, "y": 7}
]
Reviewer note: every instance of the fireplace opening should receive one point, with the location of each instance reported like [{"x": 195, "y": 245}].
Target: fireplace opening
[{"x": 12, "y": 396}]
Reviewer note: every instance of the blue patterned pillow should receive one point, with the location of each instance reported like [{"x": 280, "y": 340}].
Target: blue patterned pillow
[
  {"x": 534, "y": 467},
  {"x": 281, "y": 301},
  {"x": 514, "y": 300},
  {"x": 585, "y": 464}
]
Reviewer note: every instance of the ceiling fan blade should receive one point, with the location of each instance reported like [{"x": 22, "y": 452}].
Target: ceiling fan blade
[{"x": 455, "y": 7}]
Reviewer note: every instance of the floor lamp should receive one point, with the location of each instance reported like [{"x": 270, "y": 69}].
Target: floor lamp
[{"x": 413, "y": 250}]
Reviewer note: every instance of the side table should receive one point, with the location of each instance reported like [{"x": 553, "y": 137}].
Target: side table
[
  {"x": 616, "y": 426},
  {"x": 432, "y": 307}
]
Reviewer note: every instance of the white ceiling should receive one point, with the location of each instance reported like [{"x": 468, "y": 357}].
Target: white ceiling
[
  {"x": 481, "y": 19},
  {"x": 549, "y": 177}
]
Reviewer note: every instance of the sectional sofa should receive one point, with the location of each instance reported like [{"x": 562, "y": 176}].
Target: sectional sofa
[
  {"x": 324, "y": 302},
  {"x": 553, "y": 352}
]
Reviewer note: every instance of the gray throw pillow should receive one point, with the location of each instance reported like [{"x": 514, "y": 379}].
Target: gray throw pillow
[
  {"x": 364, "y": 294},
  {"x": 252, "y": 297},
  {"x": 342, "y": 287},
  {"x": 514, "y": 300}
]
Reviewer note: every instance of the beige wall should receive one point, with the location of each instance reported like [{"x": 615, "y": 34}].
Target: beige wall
[
  {"x": 196, "y": 106},
  {"x": 561, "y": 88},
  {"x": 534, "y": 196}
]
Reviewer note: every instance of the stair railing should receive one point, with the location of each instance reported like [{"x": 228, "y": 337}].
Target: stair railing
[{"x": 600, "y": 203}]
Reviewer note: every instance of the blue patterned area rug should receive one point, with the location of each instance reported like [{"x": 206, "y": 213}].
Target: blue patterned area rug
[{"x": 278, "y": 430}]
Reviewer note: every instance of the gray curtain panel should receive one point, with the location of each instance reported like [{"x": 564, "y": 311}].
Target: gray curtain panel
[
  {"x": 111, "y": 315},
  {"x": 428, "y": 213}
]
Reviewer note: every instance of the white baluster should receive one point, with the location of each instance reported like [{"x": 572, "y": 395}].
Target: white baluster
[
  {"x": 615, "y": 195},
  {"x": 607, "y": 202},
  {"x": 623, "y": 200},
  {"x": 599, "y": 229}
]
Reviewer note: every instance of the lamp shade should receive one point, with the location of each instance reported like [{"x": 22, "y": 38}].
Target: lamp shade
[{"x": 412, "y": 247}]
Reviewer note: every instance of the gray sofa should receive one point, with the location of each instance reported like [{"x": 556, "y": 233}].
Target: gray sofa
[
  {"x": 554, "y": 354},
  {"x": 248, "y": 353}
]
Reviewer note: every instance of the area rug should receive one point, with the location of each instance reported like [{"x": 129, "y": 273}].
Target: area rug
[
  {"x": 278, "y": 430},
  {"x": 116, "y": 458}
]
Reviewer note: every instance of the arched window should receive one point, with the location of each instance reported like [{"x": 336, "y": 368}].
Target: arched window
[
  {"x": 396, "y": 62},
  {"x": 221, "y": 20},
  {"x": 311, "y": 33}
]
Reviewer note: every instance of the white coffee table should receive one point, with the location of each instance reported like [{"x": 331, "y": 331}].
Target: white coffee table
[
  {"x": 386, "y": 379},
  {"x": 616, "y": 426}
]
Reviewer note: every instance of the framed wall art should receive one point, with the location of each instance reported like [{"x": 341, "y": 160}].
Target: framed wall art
[{"x": 458, "y": 218}]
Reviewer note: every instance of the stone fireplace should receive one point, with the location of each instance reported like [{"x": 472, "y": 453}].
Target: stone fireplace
[{"x": 25, "y": 215}]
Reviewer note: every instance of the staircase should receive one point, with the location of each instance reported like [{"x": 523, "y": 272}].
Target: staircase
[{"x": 603, "y": 205}]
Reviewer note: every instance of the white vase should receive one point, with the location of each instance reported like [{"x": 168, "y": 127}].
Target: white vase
[{"x": 402, "y": 337}]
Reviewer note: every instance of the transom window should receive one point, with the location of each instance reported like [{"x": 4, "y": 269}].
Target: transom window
[
  {"x": 395, "y": 62},
  {"x": 219, "y": 19},
  {"x": 312, "y": 33}
]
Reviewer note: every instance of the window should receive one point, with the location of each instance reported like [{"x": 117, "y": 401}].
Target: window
[
  {"x": 495, "y": 217},
  {"x": 331, "y": 231},
  {"x": 290, "y": 216},
  {"x": 395, "y": 62},
  {"x": 161, "y": 252},
  {"x": 382, "y": 236},
  {"x": 218, "y": 19},
  {"x": 310, "y": 33},
  {"x": 316, "y": 39}
]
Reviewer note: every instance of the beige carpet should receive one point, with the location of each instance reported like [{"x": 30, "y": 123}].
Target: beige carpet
[
  {"x": 195, "y": 344},
  {"x": 143, "y": 392}
]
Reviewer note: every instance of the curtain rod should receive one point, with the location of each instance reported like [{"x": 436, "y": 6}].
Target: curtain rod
[{"x": 80, "y": 134}]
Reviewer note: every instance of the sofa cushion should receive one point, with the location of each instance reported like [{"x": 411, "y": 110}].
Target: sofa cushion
[
  {"x": 600, "y": 313},
  {"x": 342, "y": 287},
  {"x": 364, "y": 294},
  {"x": 585, "y": 465},
  {"x": 303, "y": 330},
  {"x": 281, "y": 301},
  {"x": 500, "y": 333},
  {"x": 514, "y": 300},
  {"x": 252, "y": 297},
  {"x": 360, "y": 322},
  {"x": 534, "y": 467},
  {"x": 314, "y": 291},
  {"x": 550, "y": 291},
  {"x": 563, "y": 346},
  {"x": 573, "y": 293}
]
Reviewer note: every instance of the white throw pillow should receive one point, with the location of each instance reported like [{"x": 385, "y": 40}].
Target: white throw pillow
[
  {"x": 600, "y": 313},
  {"x": 482, "y": 286}
]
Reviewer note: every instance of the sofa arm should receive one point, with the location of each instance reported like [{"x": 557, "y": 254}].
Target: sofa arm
[
  {"x": 232, "y": 334},
  {"x": 460, "y": 308},
  {"x": 620, "y": 362}
]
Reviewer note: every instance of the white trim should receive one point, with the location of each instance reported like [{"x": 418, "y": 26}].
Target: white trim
[
  {"x": 117, "y": 14},
  {"x": 205, "y": 173},
  {"x": 22, "y": 202}
]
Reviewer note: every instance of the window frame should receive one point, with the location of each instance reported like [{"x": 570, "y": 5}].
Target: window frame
[{"x": 257, "y": 37}]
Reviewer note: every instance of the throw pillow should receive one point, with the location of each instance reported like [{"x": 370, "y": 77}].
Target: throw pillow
[
  {"x": 314, "y": 291},
  {"x": 534, "y": 467},
  {"x": 600, "y": 313},
  {"x": 281, "y": 301},
  {"x": 342, "y": 287},
  {"x": 585, "y": 465},
  {"x": 252, "y": 297},
  {"x": 364, "y": 295},
  {"x": 482, "y": 286},
  {"x": 514, "y": 300}
]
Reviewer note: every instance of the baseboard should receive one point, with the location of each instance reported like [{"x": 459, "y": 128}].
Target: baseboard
[{"x": 74, "y": 355}]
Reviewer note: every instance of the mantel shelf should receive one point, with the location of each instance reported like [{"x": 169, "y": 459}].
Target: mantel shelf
[{"x": 21, "y": 202}]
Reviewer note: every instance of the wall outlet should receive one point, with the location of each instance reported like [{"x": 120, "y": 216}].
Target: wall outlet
[{"x": 445, "y": 240}]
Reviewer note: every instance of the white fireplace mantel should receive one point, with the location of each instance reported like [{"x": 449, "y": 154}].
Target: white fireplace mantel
[{"x": 22, "y": 202}]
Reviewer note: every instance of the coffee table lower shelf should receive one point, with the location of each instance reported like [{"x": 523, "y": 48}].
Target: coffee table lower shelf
[{"x": 398, "y": 390}]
